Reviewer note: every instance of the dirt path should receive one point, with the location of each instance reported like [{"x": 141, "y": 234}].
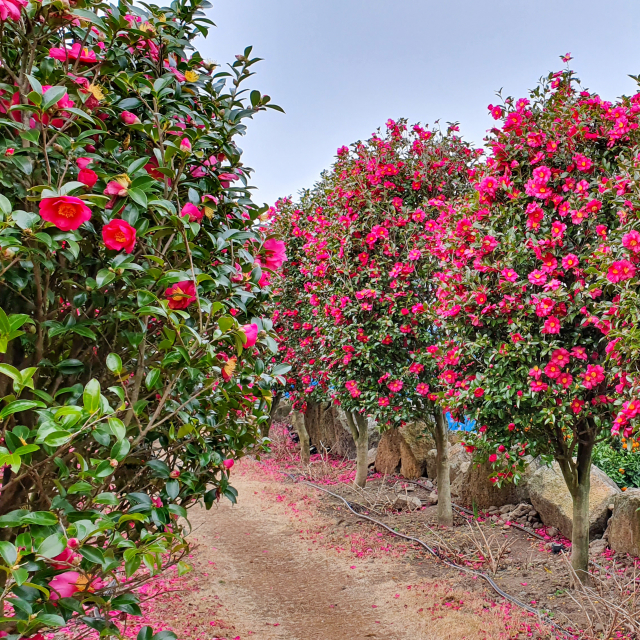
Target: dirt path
[
  {"x": 273, "y": 567},
  {"x": 281, "y": 587}
]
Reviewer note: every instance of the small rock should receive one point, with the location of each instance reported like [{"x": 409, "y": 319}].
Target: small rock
[
  {"x": 425, "y": 482},
  {"x": 552, "y": 531},
  {"x": 533, "y": 513},
  {"x": 492, "y": 508},
  {"x": 537, "y": 525},
  {"x": 507, "y": 508},
  {"x": 597, "y": 547},
  {"x": 433, "y": 497},
  {"x": 407, "y": 502}
]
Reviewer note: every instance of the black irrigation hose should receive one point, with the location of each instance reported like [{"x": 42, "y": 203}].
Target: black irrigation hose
[{"x": 436, "y": 553}]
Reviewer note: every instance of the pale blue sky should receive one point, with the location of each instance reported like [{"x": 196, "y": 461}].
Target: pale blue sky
[{"x": 341, "y": 68}]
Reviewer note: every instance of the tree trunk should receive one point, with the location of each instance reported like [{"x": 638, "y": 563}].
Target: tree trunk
[
  {"x": 265, "y": 427},
  {"x": 360, "y": 432},
  {"x": 445, "y": 514},
  {"x": 297, "y": 420},
  {"x": 580, "y": 531}
]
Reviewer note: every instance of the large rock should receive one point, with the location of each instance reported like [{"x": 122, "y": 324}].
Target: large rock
[
  {"x": 404, "y": 450},
  {"x": 459, "y": 461},
  {"x": 283, "y": 411},
  {"x": 549, "y": 495},
  {"x": 624, "y": 526},
  {"x": 388, "y": 455},
  {"x": 328, "y": 430},
  {"x": 471, "y": 485}
]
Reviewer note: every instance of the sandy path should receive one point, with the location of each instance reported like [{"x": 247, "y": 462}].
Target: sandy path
[
  {"x": 278, "y": 586},
  {"x": 276, "y": 566}
]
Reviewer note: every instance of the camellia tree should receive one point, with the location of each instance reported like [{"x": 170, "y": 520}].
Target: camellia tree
[
  {"x": 133, "y": 282},
  {"x": 359, "y": 287},
  {"x": 521, "y": 293}
]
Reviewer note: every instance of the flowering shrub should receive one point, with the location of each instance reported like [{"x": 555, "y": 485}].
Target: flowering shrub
[
  {"x": 134, "y": 276},
  {"x": 529, "y": 309},
  {"x": 356, "y": 315}
]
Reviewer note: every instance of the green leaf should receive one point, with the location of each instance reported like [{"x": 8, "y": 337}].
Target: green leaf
[
  {"x": 120, "y": 450},
  {"x": 51, "y": 620},
  {"x": 139, "y": 197},
  {"x": 225, "y": 323},
  {"x": 136, "y": 165},
  {"x": 106, "y": 498},
  {"x": 91, "y": 396},
  {"x": 104, "y": 277},
  {"x": 52, "y": 96},
  {"x": 8, "y": 552},
  {"x": 70, "y": 367},
  {"x": 152, "y": 379},
  {"x": 114, "y": 363},
  {"x": 44, "y": 518},
  {"x": 92, "y": 554},
  {"x": 117, "y": 428},
  {"x": 52, "y": 546},
  {"x": 18, "y": 405},
  {"x": 5, "y": 205}
]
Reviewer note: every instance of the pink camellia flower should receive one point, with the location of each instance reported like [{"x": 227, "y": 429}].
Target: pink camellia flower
[
  {"x": 116, "y": 188},
  {"x": 64, "y": 585},
  {"x": 561, "y": 357},
  {"x": 77, "y": 52},
  {"x": 65, "y": 212},
  {"x": 88, "y": 177},
  {"x": 570, "y": 261},
  {"x": 83, "y": 163},
  {"x": 479, "y": 392},
  {"x": 395, "y": 385},
  {"x": 9, "y": 151},
  {"x": 509, "y": 274},
  {"x": 73, "y": 543},
  {"x": 631, "y": 241},
  {"x": 226, "y": 179},
  {"x": 185, "y": 145},
  {"x": 422, "y": 389},
  {"x": 579, "y": 352},
  {"x": 251, "y": 332},
  {"x": 593, "y": 376},
  {"x": 493, "y": 457},
  {"x": 576, "y": 405},
  {"x": 621, "y": 270},
  {"x": 551, "y": 325},
  {"x": 537, "y": 277},
  {"x": 275, "y": 254},
  {"x": 10, "y": 9},
  {"x": 195, "y": 214},
  {"x": 181, "y": 294},
  {"x": 565, "y": 379},
  {"x": 129, "y": 118},
  {"x": 383, "y": 401},
  {"x": 118, "y": 235},
  {"x": 537, "y": 386},
  {"x": 228, "y": 463},
  {"x": 64, "y": 559}
]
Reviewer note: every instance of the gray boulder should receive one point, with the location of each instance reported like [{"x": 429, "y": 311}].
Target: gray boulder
[
  {"x": 624, "y": 526},
  {"x": 549, "y": 495}
]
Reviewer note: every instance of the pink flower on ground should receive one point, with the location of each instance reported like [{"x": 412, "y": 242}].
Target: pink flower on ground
[
  {"x": 118, "y": 235},
  {"x": 181, "y": 294},
  {"x": 251, "y": 332},
  {"x": 65, "y": 212},
  {"x": 189, "y": 209}
]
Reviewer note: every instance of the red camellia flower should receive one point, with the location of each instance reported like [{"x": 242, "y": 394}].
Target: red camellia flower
[
  {"x": 274, "y": 254},
  {"x": 228, "y": 463},
  {"x": 181, "y": 294},
  {"x": 251, "y": 331},
  {"x": 88, "y": 177},
  {"x": 65, "y": 212},
  {"x": 189, "y": 209},
  {"x": 118, "y": 235},
  {"x": 75, "y": 53},
  {"x": 621, "y": 270},
  {"x": 479, "y": 392},
  {"x": 11, "y": 9}
]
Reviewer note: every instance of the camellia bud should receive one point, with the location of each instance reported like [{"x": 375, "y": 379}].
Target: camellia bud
[
  {"x": 174, "y": 474},
  {"x": 185, "y": 145},
  {"x": 73, "y": 543},
  {"x": 113, "y": 462}
]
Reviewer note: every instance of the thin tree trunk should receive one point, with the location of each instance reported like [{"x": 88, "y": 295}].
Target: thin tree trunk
[
  {"x": 265, "y": 427},
  {"x": 360, "y": 433},
  {"x": 445, "y": 513},
  {"x": 580, "y": 531},
  {"x": 297, "y": 420}
]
